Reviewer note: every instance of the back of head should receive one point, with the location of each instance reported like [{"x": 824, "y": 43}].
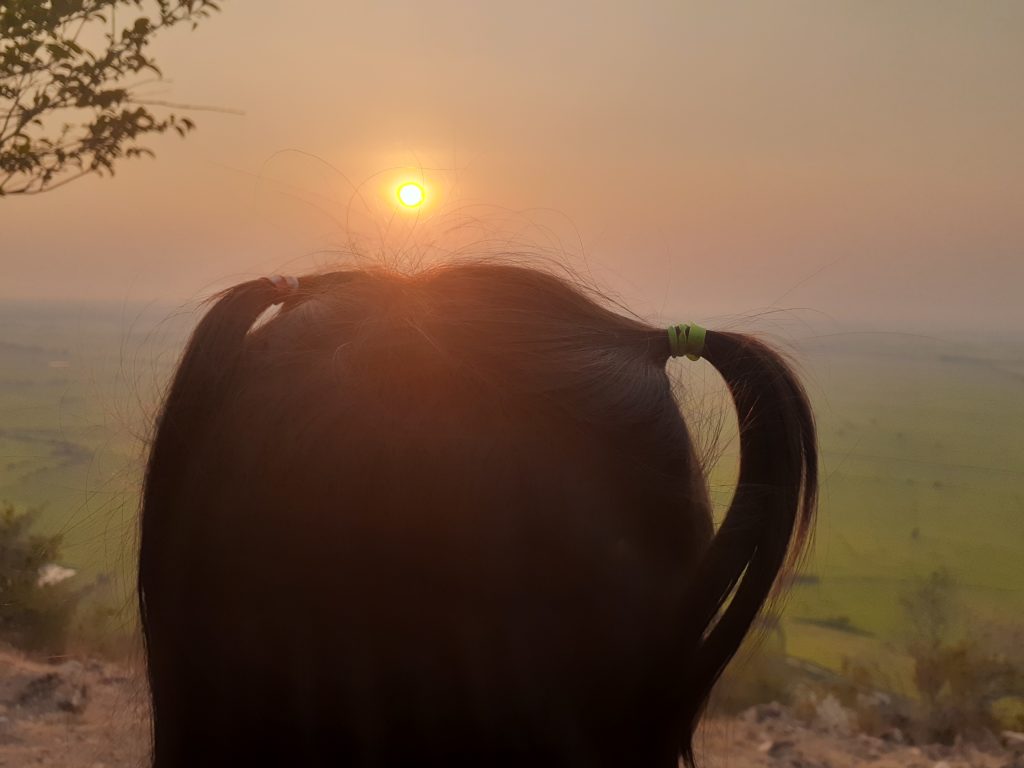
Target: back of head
[{"x": 454, "y": 517}]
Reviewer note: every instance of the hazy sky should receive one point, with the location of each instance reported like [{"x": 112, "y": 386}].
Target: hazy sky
[{"x": 864, "y": 160}]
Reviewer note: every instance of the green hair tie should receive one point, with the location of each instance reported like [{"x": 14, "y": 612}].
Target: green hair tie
[{"x": 686, "y": 339}]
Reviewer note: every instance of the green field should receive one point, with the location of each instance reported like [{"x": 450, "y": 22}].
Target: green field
[
  {"x": 923, "y": 468},
  {"x": 78, "y": 386},
  {"x": 922, "y": 441}
]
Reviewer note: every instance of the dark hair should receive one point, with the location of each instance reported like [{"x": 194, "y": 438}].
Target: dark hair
[{"x": 454, "y": 517}]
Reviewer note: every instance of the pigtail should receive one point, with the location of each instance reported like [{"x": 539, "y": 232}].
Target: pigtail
[
  {"x": 768, "y": 524},
  {"x": 202, "y": 384},
  {"x": 203, "y": 378}
]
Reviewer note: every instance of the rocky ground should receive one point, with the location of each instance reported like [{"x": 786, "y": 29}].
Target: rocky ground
[
  {"x": 86, "y": 714},
  {"x": 72, "y": 715},
  {"x": 769, "y": 735}
]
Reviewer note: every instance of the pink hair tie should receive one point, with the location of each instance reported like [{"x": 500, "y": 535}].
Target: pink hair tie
[{"x": 284, "y": 285}]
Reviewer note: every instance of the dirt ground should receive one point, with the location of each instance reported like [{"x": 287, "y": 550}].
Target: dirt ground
[
  {"x": 87, "y": 714},
  {"x": 73, "y": 715},
  {"x": 769, "y": 735}
]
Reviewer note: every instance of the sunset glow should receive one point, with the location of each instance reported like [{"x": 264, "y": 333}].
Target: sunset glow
[{"x": 410, "y": 194}]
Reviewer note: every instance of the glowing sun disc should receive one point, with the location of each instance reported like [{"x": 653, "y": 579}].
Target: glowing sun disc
[{"x": 410, "y": 194}]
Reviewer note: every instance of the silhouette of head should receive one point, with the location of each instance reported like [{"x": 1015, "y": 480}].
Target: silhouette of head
[{"x": 450, "y": 518}]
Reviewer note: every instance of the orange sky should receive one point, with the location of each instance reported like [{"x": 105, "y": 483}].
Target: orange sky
[{"x": 863, "y": 160}]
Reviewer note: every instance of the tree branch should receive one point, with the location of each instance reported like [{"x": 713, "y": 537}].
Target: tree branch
[
  {"x": 187, "y": 107},
  {"x": 48, "y": 75}
]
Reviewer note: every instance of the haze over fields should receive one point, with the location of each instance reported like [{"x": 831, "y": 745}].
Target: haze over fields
[
  {"x": 923, "y": 462},
  {"x": 862, "y": 160}
]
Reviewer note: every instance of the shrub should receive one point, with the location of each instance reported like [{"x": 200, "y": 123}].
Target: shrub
[
  {"x": 35, "y": 612},
  {"x": 859, "y": 697},
  {"x": 958, "y": 681},
  {"x": 1008, "y": 712}
]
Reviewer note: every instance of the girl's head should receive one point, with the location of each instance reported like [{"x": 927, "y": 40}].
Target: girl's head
[{"x": 451, "y": 518}]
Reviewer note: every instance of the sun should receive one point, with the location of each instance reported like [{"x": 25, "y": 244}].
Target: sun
[{"x": 410, "y": 194}]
